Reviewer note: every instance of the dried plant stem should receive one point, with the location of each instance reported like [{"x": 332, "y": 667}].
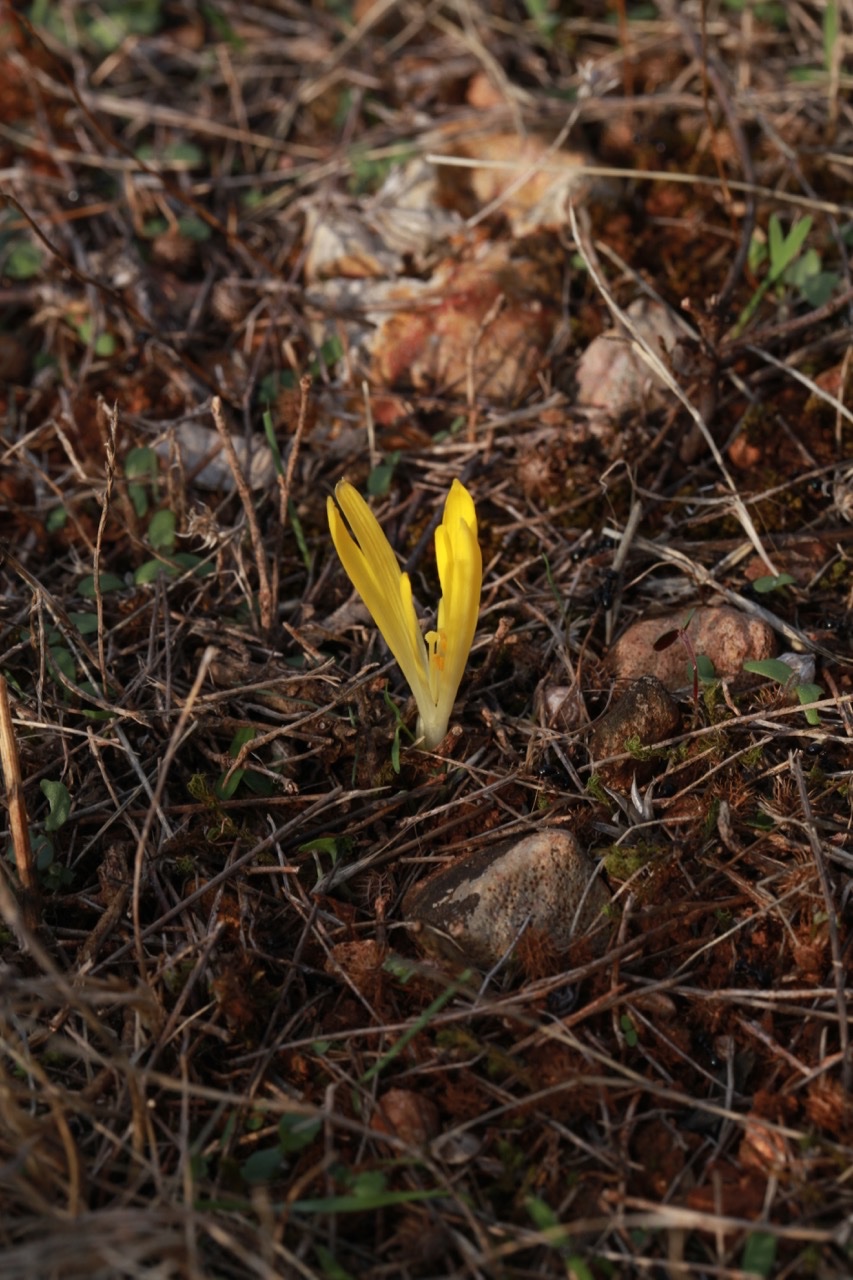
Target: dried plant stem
[
  {"x": 154, "y": 807},
  {"x": 18, "y": 826},
  {"x": 110, "y": 448},
  {"x": 285, "y": 482},
  {"x": 264, "y": 590},
  {"x": 653, "y": 360},
  {"x": 831, "y": 919}
]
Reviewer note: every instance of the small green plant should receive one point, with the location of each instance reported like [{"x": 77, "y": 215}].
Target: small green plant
[
  {"x": 543, "y": 20},
  {"x": 51, "y": 873},
  {"x": 772, "y": 582},
  {"x": 787, "y": 675},
  {"x": 295, "y": 1132},
  {"x": 399, "y": 730},
  {"x": 23, "y": 259},
  {"x": 787, "y": 267},
  {"x": 379, "y": 479},
  {"x": 103, "y": 27},
  {"x": 629, "y": 1031},
  {"x": 141, "y": 468},
  {"x": 103, "y": 344},
  {"x": 759, "y": 1254},
  {"x": 700, "y": 667},
  {"x": 228, "y": 783}
]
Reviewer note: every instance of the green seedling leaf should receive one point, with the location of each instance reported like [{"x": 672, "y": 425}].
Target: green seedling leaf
[
  {"x": 757, "y": 255},
  {"x": 759, "y": 1254},
  {"x": 151, "y": 570},
  {"x": 177, "y": 155},
  {"x": 86, "y": 623},
  {"x": 809, "y": 693},
  {"x": 818, "y": 289},
  {"x": 109, "y": 582},
  {"x": 330, "y": 353},
  {"x": 105, "y": 345},
  {"x": 43, "y": 852},
  {"x": 138, "y": 495},
  {"x": 24, "y": 261},
  {"x": 193, "y": 228},
  {"x": 241, "y": 739},
  {"x": 93, "y": 713},
  {"x": 417, "y": 1026},
  {"x": 188, "y": 560},
  {"x": 704, "y": 668},
  {"x": 322, "y": 844},
  {"x": 299, "y": 535},
  {"x": 59, "y": 658},
  {"x": 174, "y": 567},
  {"x": 225, "y": 789},
  {"x": 830, "y": 32},
  {"x": 379, "y": 480},
  {"x": 57, "y": 518},
  {"x": 59, "y": 800},
  {"x": 544, "y": 21},
  {"x": 221, "y": 27},
  {"x": 361, "y": 1200},
  {"x": 161, "y": 531},
  {"x": 259, "y": 783},
  {"x": 297, "y": 1132},
  {"x": 543, "y": 1216},
  {"x": 772, "y": 582},
  {"x": 629, "y": 1031},
  {"x": 141, "y": 464},
  {"x": 272, "y": 441},
  {"x": 262, "y": 1166},
  {"x": 770, "y": 668},
  {"x": 785, "y": 248},
  {"x": 776, "y": 245},
  {"x": 329, "y": 1264},
  {"x": 807, "y": 75}
]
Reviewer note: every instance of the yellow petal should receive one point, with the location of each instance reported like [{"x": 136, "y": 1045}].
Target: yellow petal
[
  {"x": 387, "y": 592},
  {"x": 460, "y": 572}
]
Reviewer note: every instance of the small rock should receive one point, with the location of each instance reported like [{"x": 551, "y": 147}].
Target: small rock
[
  {"x": 720, "y": 632},
  {"x": 612, "y": 375},
  {"x": 202, "y": 456},
  {"x": 561, "y": 706},
  {"x": 645, "y": 712},
  {"x": 411, "y": 1116},
  {"x": 474, "y": 910}
]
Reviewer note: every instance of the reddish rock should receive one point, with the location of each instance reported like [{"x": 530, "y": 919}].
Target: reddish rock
[{"x": 720, "y": 632}]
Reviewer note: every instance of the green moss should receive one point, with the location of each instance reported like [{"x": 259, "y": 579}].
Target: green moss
[
  {"x": 623, "y": 861},
  {"x": 595, "y": 788}
]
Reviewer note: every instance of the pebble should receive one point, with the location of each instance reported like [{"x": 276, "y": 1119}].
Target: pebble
[
  {"x": 473, "y": 911},
  {"x": 613, "y": 377},
  {"x": 645, "y": 712},
  {"x": 720, "y": 632},
  {"x": 408, "y": 1115}
]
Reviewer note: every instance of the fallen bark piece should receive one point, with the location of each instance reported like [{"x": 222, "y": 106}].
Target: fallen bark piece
[
  {"x": 719, "y": 632},
  {"x": 473, "y": 911}
]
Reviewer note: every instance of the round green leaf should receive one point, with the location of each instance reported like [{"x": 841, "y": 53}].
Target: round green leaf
[{"x": 59, "y": 801}]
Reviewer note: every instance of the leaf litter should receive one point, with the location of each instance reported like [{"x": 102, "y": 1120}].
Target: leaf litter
[{"x": 596, "y": 267}]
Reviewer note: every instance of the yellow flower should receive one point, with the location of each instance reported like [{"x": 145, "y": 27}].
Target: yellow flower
[{"x": 433, "y": 665}]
